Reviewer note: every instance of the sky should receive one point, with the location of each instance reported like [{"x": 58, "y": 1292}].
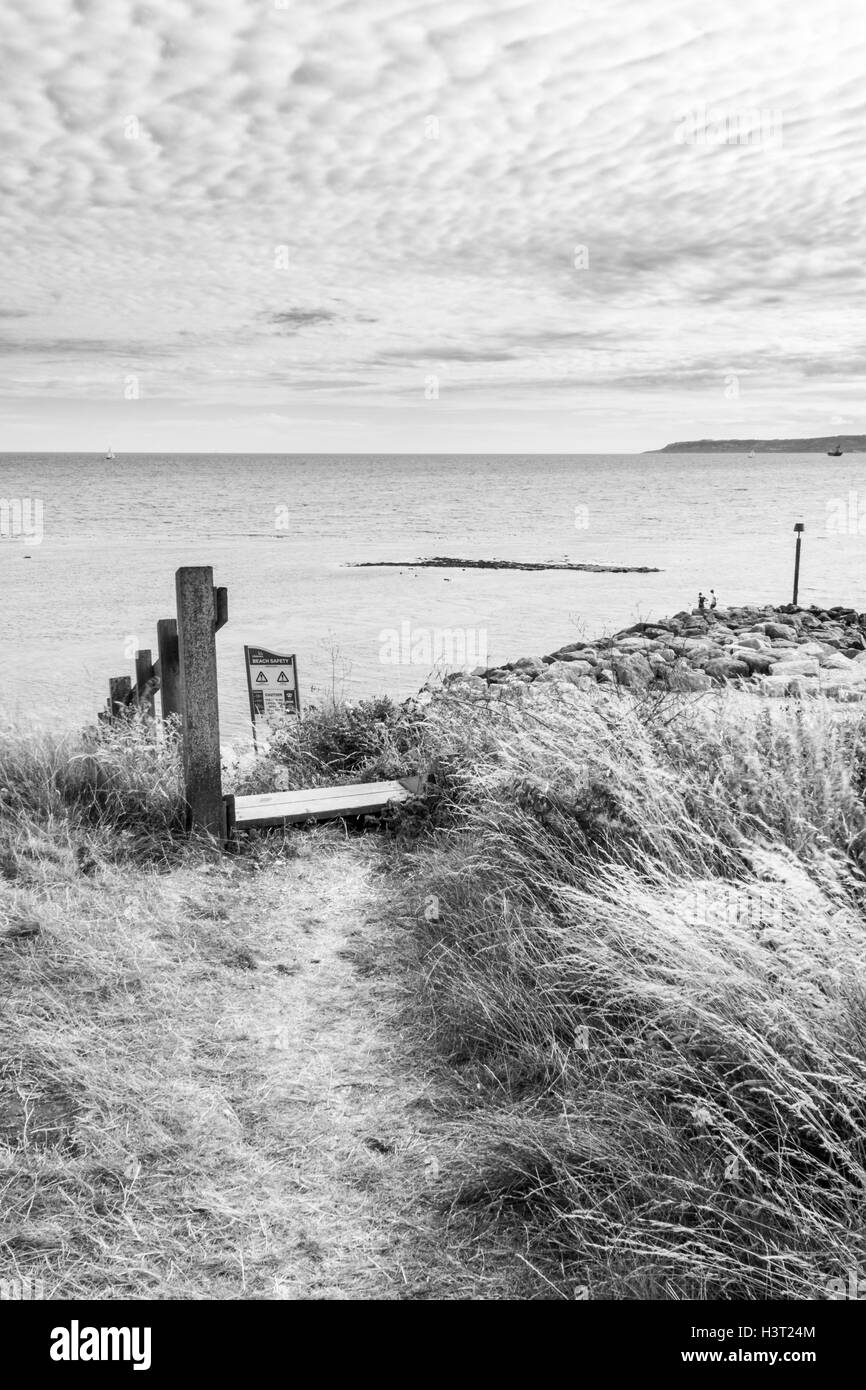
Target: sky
[{"x": 469, "y": 226}]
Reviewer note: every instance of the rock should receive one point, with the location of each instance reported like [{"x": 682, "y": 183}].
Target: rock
[
  {"x": 472, "y": 683},
  {"x": 797, "y": 666},
  {"x": 855, "y": 674},
  {"x": 573, "y": 654},
  {"x": 758, "y": 662},
  {"x": 633, "y": 671},
  {"x": 712, "y": 654},
  {"x": 571, "y": 671},
  {"x": 774, "y": 685},
  {"x": 778, "y": 685},
  {"x": 696, "y": 649},
  {"x": 681, "y": 678},
  {"x": 781, "y": 630},
  {"x": 835, "y": 661},
  {"x": 754, "y": 640},
  {"x": 722, "y": 668}
]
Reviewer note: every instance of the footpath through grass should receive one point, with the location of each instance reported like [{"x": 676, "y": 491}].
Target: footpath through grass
[{"x": 589, "y": 1021}]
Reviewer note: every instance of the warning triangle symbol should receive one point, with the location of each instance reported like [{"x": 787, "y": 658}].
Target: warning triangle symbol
[
  {"x": 282, "y": 678},
  {"x": 261, "y": 678}
]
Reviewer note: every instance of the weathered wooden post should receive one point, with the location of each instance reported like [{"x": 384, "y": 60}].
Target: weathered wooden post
[
  {"x": 169, "y": 666},
  {"x": 199, "y": 704},
  {"x": 119, "y": 688},
  {"x": 799, "y": 528},
  {"x": 144, "y": 696}
]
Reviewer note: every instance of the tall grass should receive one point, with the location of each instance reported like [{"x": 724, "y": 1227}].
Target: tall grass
[
  {"x": 138, "y": 993},
  {"x": 642, "y": 950},
  {"x": 116, "y": 788}
]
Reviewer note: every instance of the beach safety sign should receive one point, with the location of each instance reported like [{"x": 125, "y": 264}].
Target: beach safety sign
[{"x": 272, "y": 682}]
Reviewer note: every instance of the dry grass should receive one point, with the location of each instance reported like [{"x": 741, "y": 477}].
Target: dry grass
[
  {"x": 203, "y": 1092},
  {"x": 641, "y": 947},
  {"x": 631, "y": 1059},
  {"x": 114, "y": 789}
]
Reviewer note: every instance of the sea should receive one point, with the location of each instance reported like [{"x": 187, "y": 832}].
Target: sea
[{"x": 89, "y": 547}]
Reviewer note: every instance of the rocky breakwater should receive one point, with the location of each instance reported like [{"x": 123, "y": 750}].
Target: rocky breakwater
[{"x": 779, "y": 651}]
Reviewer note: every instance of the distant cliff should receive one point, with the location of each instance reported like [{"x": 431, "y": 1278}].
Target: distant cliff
[{"x": 848, "y": 443}]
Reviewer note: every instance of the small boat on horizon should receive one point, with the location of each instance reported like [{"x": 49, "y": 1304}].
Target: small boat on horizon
[
  {"x": 110, "y": 454},
  {"x": 835, "y": 453},
  {"x": 751, "y": 454}
]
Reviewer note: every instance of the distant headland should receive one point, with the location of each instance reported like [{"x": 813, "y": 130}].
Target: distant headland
[{"x": 848, "y": 443}]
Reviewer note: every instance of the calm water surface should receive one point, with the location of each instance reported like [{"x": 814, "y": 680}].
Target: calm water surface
[{"x": 279, "y": 531}]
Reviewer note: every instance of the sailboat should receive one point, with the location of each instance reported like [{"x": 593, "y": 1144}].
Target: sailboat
[
  {"x": 834, "y": 453},
  {"x": 110, "y": 454},
  {"x": 751, "y": 454}
]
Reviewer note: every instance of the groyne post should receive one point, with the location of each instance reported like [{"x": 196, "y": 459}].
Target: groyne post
[
  {"x": 119, "y": 688},
  {"x": 169, "y": 666},
  {"x": 144, "y": 681}
]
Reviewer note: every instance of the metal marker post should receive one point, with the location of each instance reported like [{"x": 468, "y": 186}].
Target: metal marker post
[{"x": 799, "y": 528}]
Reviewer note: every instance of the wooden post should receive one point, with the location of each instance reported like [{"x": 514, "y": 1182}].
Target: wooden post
[
  {"x": 799, "y": 528},
  {"x": 169, "y": 666},
  {"x": 231, "y": 822},
  {"x": 118, "y": 694},
  {"x": 196, "y": 623},
  {"x": 221, "y": 606},
  {"x": 144, "y": 696}
]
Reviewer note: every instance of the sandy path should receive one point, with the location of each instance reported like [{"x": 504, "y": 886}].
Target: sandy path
[{"x": 354, "y": 1132}]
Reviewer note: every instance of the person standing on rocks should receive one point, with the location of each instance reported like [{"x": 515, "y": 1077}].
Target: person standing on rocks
[
  {"x": 713, "y": 599},
  {"x": 702, "y": 603}
]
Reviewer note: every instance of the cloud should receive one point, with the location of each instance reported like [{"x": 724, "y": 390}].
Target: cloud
[{"x": 467, "y": 181}]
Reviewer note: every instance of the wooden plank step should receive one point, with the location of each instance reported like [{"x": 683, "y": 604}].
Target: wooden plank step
[{"x": 320, "y": 803}]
